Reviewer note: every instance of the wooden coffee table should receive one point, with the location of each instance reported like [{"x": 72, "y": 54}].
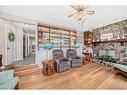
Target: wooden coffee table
[{"x": 48, "y": 67}]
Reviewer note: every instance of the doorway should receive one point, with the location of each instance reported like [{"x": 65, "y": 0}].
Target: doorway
[
  {"x": 28, "y": 46},
  {"x": 24, "y": 40}
]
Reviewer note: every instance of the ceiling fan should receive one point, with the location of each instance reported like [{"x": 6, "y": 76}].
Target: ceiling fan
[{"x": 80, "y": 12}]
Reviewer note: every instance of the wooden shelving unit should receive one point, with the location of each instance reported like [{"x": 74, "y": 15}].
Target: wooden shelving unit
[
  {"x": 114, "y": 41},
  {"x": 88, "y": 38},
  {"x": 60, "y": 37}
]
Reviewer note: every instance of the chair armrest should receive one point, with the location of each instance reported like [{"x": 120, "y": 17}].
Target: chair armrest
[
  {"x": 79, "y": 57},
  {"x": 64, "y": 59},
  {"x": 57, "y": 61},
  {"x": 56, "y": 65}
]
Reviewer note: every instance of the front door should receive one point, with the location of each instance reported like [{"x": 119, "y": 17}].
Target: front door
[{"x": 10, "y": 45}]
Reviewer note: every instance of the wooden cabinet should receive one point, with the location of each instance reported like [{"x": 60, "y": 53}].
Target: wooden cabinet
[
  {"x": 87, "y": 41},
  {"x": 88, "y": 38},
  {"x": 0, "y": 60}
]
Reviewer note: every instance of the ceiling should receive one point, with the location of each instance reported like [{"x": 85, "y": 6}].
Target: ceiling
[{"x": 58, "y": 15}]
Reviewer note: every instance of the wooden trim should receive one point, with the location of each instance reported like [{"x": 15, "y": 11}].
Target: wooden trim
[
  {"x": 120, "y": 71},
  {"x": 56, "y": 33},
  {"x": 49, "y": 34},
  {"x": 56, "y": 27},
  {"x": 69, "y": 40},
  {"x": 0, "y": 60},
  {"x": 75, "y": 41}
]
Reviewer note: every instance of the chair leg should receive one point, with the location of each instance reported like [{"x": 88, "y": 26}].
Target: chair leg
[{"x": 17, "y": 86}]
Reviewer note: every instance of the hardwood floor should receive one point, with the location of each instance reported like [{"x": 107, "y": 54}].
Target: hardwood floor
[{"x": 89, "y": 76}]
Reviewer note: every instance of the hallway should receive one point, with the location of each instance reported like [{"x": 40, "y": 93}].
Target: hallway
[{"x": 26, "y": 61}]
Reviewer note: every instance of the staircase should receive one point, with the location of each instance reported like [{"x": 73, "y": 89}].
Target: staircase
[{"x": 20, "y": 71}]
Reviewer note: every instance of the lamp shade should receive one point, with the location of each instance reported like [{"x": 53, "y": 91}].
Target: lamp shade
[{"x": 48, "y": 46}]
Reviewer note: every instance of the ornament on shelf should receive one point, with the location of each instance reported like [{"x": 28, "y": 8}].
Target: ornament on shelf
[{"x": 123, "y": 37}]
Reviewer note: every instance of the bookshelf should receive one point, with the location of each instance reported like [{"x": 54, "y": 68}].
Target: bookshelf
[{"x": 60, "y": 37}]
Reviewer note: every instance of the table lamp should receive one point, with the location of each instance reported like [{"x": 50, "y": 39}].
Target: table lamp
[{"x": 47, "y": 46}]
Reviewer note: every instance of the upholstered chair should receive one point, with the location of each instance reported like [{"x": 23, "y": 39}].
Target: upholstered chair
[
  {"x": 75, "y": 60},
  {"x": 62, "y": 63}
]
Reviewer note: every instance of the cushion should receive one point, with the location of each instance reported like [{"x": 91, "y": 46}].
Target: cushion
[
  {"x": 77, "y": 57},
  {"x": 121, "y": 67},
  {"x": 125, "y": 55},
  {"x": 59, "y": 53},
  {"x": 64, "y": 59},
  {"x": 10, "y": 84},
  {"x": 1, "y": 79},
  {"x": 73, "y": 56},
  {"x": 125, "y": 59},
  {"x": 9, "y": 74},
  {"x": 6, "y": 75}
]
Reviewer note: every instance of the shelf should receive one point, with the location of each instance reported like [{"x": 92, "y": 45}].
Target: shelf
[
  {"x": 59, "y": 37},
  {"x": 116, "y": 41},
  {"x": 65, "y": 36},
  {"x": 80, "y": 42}
]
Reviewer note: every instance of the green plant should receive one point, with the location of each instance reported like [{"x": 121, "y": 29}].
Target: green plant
[
  {"x": 107, "y": 58},
  {"x": 11, "y": 36}
]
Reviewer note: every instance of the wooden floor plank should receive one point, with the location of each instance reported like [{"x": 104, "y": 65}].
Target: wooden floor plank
[{"x": 89, "y": 76}]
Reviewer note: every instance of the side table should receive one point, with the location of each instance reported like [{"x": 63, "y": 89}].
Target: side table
[{"x": 48, "y": 67}]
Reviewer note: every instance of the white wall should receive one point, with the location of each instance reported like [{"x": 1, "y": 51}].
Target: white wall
[
  {"x": 5, "y": 27},
  {"x": 2, "y": 40},
  {"x": 19, "y": 42},
  {"x": 80, "y": 50}
]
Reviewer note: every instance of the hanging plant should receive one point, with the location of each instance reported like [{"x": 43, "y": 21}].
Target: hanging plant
[{"x": 11, "y": 36}]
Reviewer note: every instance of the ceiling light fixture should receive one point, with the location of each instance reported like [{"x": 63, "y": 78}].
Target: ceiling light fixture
[{"x": 80, "y": 13}]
